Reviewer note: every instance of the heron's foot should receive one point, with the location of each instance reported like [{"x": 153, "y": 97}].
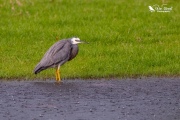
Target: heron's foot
[{"x": 58, "y": 81}]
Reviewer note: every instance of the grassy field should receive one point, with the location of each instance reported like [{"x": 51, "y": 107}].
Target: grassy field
[{"x": 126, "y": 39}]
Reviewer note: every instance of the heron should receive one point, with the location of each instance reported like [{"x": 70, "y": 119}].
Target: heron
[{"x": 58, "y": 54}]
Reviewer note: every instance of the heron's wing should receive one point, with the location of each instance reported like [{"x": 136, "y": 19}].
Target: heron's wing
[
  {"x": 61, "y": 55},
  {"x": 57, "y": 54}
]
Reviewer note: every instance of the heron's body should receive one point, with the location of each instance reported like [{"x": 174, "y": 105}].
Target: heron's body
[{"x": 59, "y": 53}]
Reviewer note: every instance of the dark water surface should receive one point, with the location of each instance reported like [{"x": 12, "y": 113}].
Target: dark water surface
[{"x": 130, "y": 99}]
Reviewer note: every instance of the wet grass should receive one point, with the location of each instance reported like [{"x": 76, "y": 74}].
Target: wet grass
[{"x": 126, "y": 39}]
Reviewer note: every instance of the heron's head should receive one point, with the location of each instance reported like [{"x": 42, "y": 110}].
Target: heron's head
[{"x": 75, "y": 40}]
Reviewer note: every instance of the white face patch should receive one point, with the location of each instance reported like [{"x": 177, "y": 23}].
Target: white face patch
[{"x": 75, "y": 40}]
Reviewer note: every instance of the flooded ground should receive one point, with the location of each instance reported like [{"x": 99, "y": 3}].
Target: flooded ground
[{"x": 130, "y": 99}]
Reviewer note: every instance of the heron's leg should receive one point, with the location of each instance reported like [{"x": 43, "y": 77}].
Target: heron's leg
[
  {"x": 56, "y": 74},
  {"x": 58, "y": 77}
]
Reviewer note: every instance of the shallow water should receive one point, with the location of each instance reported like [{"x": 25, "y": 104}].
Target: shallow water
[{"x": 137, "y": 99}]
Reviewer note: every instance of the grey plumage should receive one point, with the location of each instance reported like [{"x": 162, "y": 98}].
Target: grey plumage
[{"x": 58, "y": 54}]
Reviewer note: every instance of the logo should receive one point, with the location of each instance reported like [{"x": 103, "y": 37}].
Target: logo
[{"x": 162, "y": 8}]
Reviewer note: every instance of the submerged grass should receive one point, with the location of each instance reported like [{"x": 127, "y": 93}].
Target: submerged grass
[{"x": 126, "y": 39}]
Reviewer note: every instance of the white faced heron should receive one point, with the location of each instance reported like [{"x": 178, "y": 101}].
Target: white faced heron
[{"x": 58, "y": 54}]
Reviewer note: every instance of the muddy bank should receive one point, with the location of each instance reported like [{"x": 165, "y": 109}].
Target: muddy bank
[{"x": 137, "y": 99}]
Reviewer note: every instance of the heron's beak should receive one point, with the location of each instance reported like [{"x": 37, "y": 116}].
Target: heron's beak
[{"x": 84, "y": 42}]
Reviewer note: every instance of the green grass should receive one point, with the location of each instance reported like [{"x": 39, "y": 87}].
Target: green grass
[{"x": 126, "y": 39}]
